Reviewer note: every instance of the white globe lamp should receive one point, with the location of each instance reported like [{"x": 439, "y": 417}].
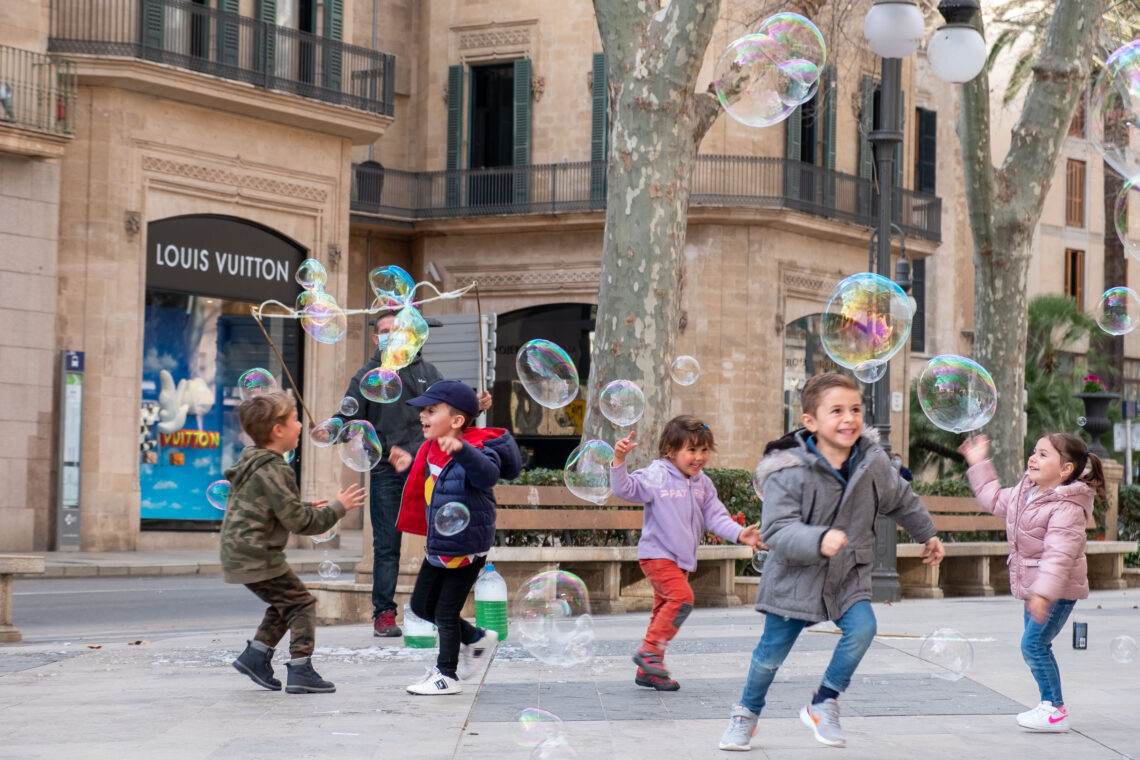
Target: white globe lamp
[{"x": 893, "y": 28}]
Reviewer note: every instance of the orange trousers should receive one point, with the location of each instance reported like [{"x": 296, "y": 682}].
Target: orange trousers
[{"x": 672, "y": 602}]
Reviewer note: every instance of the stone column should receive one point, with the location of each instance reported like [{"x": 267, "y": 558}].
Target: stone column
[{"x": 1113, "y": 474}]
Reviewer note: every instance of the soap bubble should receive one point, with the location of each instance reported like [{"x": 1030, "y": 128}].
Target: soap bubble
[
  {"x": 323, "y": 319},
  {"x": 557, "y": 748},
  {"x": 749, "y": 82},
  {"x": 328, "y": 570},
  {"x": 1118, "y": 311},
  {"x": 1124, "y": 199},
  {"x": 552, "y": 617},
  {"x": 349, "y": 406},
  {"x": 311, "y": 275},
  {"x": 587, "y": 472},
  {"x": 254, "y": 382},
  {"x": 360, "y": 448},
  {"x": 1082, "y": 421},
  {"x": 758, "y": 560},
  {"x": 1114, "y": 110},
  {"x": 409, "y": 333},
  {"x": 328, "y": 535},
  {"x": 289, "y": 456},
  {"x": 392, "y": 285},
  {"x": 1123, "y": 649},
  {"x": 535, "y": 726},
  {"x": 685, "y": 370},
  {"x": 956, "y": 394},
  {"x": 327, "y": 432},
  {"x": 547, "y": 373},
  {"x": 950, "y": 653},
  {"x": 870, "y": 372},
  {"x": 218, "y": 493},
  {"x": 803, "y": 82},
  {"x": 867, "y": 320},
  {"x": 622, "y": 402},
  {"x": 451, "y": 518},
  {"x": 799, "y": 37},
  {"x": 381, "y": 385}
]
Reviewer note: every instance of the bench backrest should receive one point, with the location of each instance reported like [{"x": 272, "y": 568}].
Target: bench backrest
[
  {"x": 556, "y": 508},
  {"x": 962, "y": 513}
]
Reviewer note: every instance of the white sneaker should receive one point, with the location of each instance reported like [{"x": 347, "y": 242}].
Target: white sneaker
[
  {"x": 1045, "y": 717},
  {"x": 473, "y": 657},
  {"x": 436, "y": 683}
]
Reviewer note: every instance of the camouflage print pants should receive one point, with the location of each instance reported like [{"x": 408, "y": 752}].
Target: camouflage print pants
[{"x": 291, "y": 608}]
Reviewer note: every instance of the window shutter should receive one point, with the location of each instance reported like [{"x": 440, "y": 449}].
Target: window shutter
[
  {"x": 899, "y": 147},
  {"x": 792, "y": 153},
  {"x": 153, "y": 29},
  {"x": 229, "y": 34},
  {"x": 866, "y": 125},
  {"x": 454, "y": 124},
  {"x": 926, "y": 168},
  {"x": 522, "y": 131},
  {"x": 829, "y": 92},
  {"x": 599, "y": 131},
  {"x": 918, "y": 290},
  {"x": 267, "y": 14},
  {"x": 334, "y": 29}
]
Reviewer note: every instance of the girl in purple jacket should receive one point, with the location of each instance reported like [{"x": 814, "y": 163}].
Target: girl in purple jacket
[
  {"x": 680, "y": 504},
  {"x": 1045, "y": 517}
]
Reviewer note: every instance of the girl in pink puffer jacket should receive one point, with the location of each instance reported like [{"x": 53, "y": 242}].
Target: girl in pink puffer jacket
[{"x": 1045, "y": 517}]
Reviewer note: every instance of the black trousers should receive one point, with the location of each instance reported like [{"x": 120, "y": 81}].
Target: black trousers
[{"x": 438, "y": 597}]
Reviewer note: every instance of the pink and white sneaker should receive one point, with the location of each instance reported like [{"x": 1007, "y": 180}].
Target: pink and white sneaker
[{"x": 1045, "y": 717}]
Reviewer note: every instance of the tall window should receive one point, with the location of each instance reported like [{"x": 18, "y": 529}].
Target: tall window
[
  {"x": 1075, "y": 276},
  {"x": 1077, "y": 125},
  {"x": 925, "y": 150},
  {"x": 1075, "y": 193}
]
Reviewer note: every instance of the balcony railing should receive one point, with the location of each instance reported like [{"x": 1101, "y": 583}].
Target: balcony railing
[
  {"x": 718, "y": 182},
  {"x": 203, "y": 39},
  {"x": 37, "y": 92}
]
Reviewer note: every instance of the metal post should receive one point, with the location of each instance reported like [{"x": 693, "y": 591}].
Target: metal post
[{"x": 884, "y": 574}]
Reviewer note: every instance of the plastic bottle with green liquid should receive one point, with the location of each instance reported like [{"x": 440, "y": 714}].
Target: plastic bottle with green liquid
[{"x": 491, "y": 601}]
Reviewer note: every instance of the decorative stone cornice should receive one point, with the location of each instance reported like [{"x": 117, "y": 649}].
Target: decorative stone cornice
[
  {"x": 223, "y": 176},
  {"x": 495, "y": 41},
  {"x": 513, "y": 281}
]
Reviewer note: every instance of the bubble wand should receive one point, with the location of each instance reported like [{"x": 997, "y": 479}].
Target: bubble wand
[
  {"x": 479, "y": 321},
  {"x": 256, "y": 312}
]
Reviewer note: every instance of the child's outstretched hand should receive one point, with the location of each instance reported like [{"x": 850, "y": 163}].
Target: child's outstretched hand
[
  {"x": 449, "y": 445},
  {"x": 352, "y": 497},
  {"x": 932, "y": 551},
  {"x": 975, "y": 449},
  {"x": 750, "y": 535},
  {"x": 833, "y": 541},
  {"x": 1038, "y": 608},
  {"x": 399, "y": 459},
  {"x": 623, "y": 447}
]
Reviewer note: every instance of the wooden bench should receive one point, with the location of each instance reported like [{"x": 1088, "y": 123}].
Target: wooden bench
[
  {"x": 12, "y": 564},
  {"x": 611, "y": 573},
  {"x": 978, "y": 568}
]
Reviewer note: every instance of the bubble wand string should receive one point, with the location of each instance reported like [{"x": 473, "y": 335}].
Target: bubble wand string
[
  {"x": 256, "y": 311},
  {"x": 479, "y": 321}
]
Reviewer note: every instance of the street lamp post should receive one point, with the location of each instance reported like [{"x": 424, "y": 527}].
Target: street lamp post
[{"x": 894, "y": 29}]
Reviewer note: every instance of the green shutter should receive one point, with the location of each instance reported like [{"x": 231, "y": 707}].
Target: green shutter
[
  {"x": 454, "y": 124},
  {"x": 153, "y": 29},
  {"x": 792, "y": 153},
  {"x": 229, "y": 34},
  {"x": 830, "y": 93},
  {"x": 522, "y": 130},
  {"x": 918, "y": 290},
  {"x": 599, "y": 131},
  {"x": 925, "y": 169},
  {"x": 899, "y": 147},
  {"x": 334, "y": 29},
  {"x": 866, "y": 124},
  {"x": 267, "y": 15}
]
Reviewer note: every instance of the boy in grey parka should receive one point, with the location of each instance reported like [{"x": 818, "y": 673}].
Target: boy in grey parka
[{"x": 823, "y": 486}]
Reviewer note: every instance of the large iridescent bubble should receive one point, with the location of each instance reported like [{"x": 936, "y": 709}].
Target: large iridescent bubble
[
  {"x": 1114, "y": 110},
  {"x": 254, "y": 382},
  {"x": 956, "y": 394},
  {"x": 587, "y": 472},
  {"x": 360, "y": 448},
  {"x": 552, "y": 616},
  {"x": 870, "y": 372},
  {"x": 622, "y": 402},
  {"x": 323, "y": 319},
  {"x": 408, "y": 335},
  {"x": 392, "y": 285},
  {"x": 750, "y": 83},
  {"x": 381, "y": 385},
  {"x": 326, "y": 433},
  {"x": 1126, "y": 207},
  {"x": 799, "y": 37},
  {"x": 685, "y": 370},
  {"x": 311, "y": 275},
  {"x": 218, "y": 494},
  {"x": 948, "y": 652},
  {"x": 451, "y": 518},
  {"x": 1118, "y": 311},
  {"x": 867, "y": 320},
  {"x": 547, "y": 373}
]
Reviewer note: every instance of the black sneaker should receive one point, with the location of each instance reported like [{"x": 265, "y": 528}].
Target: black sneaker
[
  {"x": 258, "y": 666},
  {"x": 650, "y": 681},
  {"x": 651, "y": 663},
  {"x": 304, "y": 680}
]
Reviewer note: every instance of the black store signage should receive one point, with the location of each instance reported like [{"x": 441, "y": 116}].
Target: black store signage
[{"x": 221, "y": 257}]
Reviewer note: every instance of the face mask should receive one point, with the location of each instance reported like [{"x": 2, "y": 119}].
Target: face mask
[{"x": 382, "y": 340}]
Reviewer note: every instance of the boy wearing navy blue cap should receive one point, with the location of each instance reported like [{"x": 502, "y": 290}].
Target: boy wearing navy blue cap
[{"x": 456, "y": 463}]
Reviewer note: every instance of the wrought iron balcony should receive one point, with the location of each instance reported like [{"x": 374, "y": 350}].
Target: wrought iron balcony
[
  {"x": 718, "y": 182},
  {"x": 210, "y": 41},
  {"x": 36, "y": 92}
]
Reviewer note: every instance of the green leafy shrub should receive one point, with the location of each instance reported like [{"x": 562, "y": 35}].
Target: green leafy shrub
[{"x": 1130, "y": 520}]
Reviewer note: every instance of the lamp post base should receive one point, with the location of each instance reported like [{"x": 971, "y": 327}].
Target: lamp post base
[{"x": 884, "y": 577}]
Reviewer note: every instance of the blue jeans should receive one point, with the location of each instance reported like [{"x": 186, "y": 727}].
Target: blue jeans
[
  {"x": 1037, "y": 649},
  {"x": 780, "y": 633},
  {"x": 387, "y": 486}
]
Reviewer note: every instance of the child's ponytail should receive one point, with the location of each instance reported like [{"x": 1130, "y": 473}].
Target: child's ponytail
[{"x": 1087, "y": 466}]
